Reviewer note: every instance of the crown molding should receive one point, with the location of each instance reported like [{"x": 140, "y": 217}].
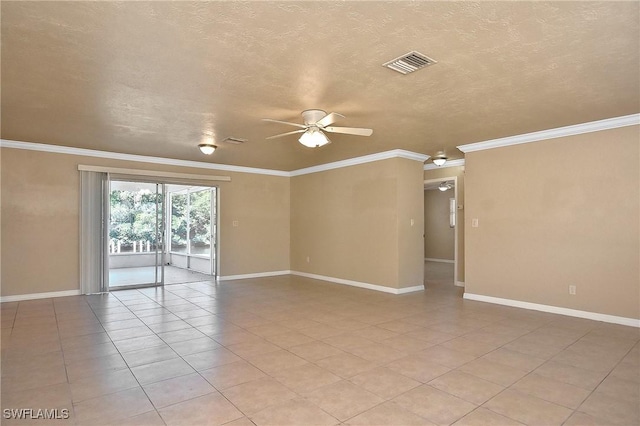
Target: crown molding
[
  {"x": 450, "y": 163},
  {"x": 593, "y": 126},
  {"x": 395, "y": 153},
  {"x": 577, "y": 129},
  {"x": 58, "y": 149}
]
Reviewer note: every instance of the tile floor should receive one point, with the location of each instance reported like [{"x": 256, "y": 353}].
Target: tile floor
[{"x": 294, "y": 351}]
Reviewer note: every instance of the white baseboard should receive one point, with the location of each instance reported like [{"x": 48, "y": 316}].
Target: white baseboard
[
  {"x": 632, "y": 322},
  {"x": 431, "y": 259},
  {"x": 360, "y": 284},
  {"x": 255, "y": 275},
  {"x": 33, "y": 296},
  {"x": 459, "y": 283},
  {"x": 415, "y": 288}
]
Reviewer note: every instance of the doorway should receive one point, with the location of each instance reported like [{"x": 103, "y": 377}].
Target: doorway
[
  {"x": 192, "y": 227},
  {"x": 441, "y": 232},
  {"x": 135, "y": 243},
  {"x": 161, "y": 233}
]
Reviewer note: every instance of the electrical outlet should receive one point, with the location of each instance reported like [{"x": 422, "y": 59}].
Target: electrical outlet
[
  {"x": 572, "y": 290},
  {"x": 308, "y": 259},
  {"x": 413, "y": 222},
  {"x": 236, "y": 223}
]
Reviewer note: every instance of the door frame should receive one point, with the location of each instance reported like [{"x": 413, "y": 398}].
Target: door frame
[
  {"x": 159, "y": 232},
  {"x": 455, "y": 229},
  {"x": 214, "y": 258}
]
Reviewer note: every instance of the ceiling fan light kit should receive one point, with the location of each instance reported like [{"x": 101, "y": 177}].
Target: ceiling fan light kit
[
  {"x": 440, "y": 160},
  {"x": 207, "y": 148},
  {"x": 313, "y": 138},
  {"x": 316, "y": 122}
]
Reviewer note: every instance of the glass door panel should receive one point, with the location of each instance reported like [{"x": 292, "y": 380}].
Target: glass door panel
[
  {"x": 179, "y": 237},
  {"x": 192, "y": 228},
  {"x": 200, "y": 223},
  {"x": 135, "y": 243}
]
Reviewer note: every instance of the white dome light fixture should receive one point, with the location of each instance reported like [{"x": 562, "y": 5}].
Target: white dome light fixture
[
  {"x": 444, "y": 186},
  {"x": 314, "y": 138},
  {"x": 439, "y": 160},
  {"x": 207, "y": 148}
]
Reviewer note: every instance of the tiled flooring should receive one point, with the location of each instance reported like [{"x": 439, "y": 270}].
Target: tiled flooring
[
  {"x": 438, "y": 273},
  {"x": 294, "y": 351}
]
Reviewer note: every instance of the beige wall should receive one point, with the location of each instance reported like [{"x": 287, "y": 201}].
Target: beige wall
[
  {"x": 354, "y": 223},
  {"x": 410, "y": 223},
  {"x": 459, "y": 173},
  {"x": 557, "y": 213},
  {"x": 40, "y": 211},
  {"x": 439, "y": 237}
]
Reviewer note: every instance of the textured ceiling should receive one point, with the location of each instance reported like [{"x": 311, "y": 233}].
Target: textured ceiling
[{"x": 152, "y": 78}]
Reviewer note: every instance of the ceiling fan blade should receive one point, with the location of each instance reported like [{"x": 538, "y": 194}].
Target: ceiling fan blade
[
  {"x": 350, "y": 130},
  {"x": 286, "y": 134},
  {"x": 328, "y": 119},
  {"x": 285, "y": 122}
]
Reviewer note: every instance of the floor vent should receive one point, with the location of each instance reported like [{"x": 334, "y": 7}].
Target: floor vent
[{"x": 409, "y": 62}]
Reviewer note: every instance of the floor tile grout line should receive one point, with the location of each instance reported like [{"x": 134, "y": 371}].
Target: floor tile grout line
[
  {"x": 267, "y": 375},
  {"x": 135, "y": 378},
  {"x": 603, "y": 379},
  {"x": 64, "y": 364},
  {"x": 273, "y": 319},
  {"x": 481, "y": 356},
  {"x": 195, "y": 371},
  {"x": 573, "y": 410}
]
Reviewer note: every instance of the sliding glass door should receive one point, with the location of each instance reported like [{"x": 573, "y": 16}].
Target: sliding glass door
[
  {"x": 193, "y": 228},
  {"x": 136, "y": 234}
]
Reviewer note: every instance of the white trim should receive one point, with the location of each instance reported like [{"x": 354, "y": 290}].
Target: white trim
[
  {"x": 413, "y": 289},
  {"x": 58, "y": 149},
  {"x": 459, "y": 283},
  {"x": 450, "y": 163},
  {"x": 632, "y": 322},
  {"x": 154, "y": 173},
  {"x": 32, "y": 296},
  {"x": 256, "y": 275},
  {"x": 431, "y": 259},
  {"x": 359, "y": 283},
  {"x": 594, "y": 126},
  {"x": 395, "y": 153},
  {"x": 577, "y": 129}
]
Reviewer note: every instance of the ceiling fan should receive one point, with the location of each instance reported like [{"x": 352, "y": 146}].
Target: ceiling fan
[{"x": 316, "y": 122}]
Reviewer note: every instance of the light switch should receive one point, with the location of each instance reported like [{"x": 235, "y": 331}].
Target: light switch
[{"x": 474, "y": 223}]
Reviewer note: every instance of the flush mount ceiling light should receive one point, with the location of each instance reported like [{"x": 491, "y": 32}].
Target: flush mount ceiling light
[
  {"x": 314, "y": 138},
  {"x": 444, "y": 186},
  {"x": 207, "y": 148},
  {"x": 439, "y": 160}
]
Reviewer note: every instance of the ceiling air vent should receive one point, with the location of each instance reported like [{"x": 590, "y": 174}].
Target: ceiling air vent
[
  {"x": 236, "y": 141},
  {"x": 409, "y": 62}
]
